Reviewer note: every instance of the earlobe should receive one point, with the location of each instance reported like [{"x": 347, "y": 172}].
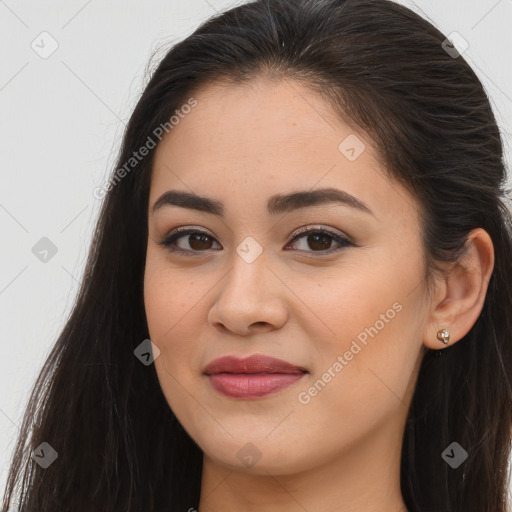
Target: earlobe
[{"x": 460, "y": 294}]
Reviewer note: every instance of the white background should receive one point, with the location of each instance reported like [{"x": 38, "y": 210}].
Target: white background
[{"x": 61, "y": 123}]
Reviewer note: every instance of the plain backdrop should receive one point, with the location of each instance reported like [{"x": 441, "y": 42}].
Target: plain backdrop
[{"x": 62, "y": 118}]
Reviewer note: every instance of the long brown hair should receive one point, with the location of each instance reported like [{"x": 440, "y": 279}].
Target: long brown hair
[{"x": 384, "y": 69}]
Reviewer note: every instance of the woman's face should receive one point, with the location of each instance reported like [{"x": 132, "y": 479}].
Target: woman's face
[{"x": 349, "y": 312}]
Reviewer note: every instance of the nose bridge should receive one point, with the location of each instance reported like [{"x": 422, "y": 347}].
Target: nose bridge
[
  {"x": 249, "y": 273},
  {"x": 245, "y": 294}
]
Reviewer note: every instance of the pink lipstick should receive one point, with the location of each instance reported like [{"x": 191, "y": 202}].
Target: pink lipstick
[{"x": 252, "y": 377}]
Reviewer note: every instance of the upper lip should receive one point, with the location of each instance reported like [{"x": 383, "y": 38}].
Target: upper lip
[{"x": 253, "y": 364}]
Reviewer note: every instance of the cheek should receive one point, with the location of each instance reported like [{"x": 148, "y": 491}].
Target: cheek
[
  {"x": 362, "y": 373},
  {"x": 345, "y": 304},
  {"x": 170, "y": 295},
  {"x": 175, "y": 302},
  {"x": 371, "y": 319},
  {"x": 170, "y": 322},
  {"x": 170, "y": 318},
  {"x": 166, "y": 314}
]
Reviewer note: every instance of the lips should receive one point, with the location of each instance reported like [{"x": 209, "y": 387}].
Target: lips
[
  {"x": 252, "y": 364},
  {"x": 253, "y": 377}
]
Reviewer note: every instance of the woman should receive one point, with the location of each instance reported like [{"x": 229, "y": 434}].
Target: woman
[{"x": 297, "y": 293}]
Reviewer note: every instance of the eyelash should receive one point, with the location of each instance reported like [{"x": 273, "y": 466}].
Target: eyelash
[{"x": 168, "y": 241}]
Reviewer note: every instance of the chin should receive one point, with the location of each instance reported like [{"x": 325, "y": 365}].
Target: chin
[{"x": 258, "y": 456}]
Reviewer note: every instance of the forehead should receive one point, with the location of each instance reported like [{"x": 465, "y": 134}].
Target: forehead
[
  {"x": 264, "y": 138},
  {"x": 242, "y": 120}
]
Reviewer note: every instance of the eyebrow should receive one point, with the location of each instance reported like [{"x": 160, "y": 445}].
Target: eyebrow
[{"x": 277, "y": 204}]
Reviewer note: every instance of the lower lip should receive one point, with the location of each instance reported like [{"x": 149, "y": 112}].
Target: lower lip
[{"x": 252, "y": 385}]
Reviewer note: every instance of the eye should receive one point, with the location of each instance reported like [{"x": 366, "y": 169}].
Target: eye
[
  {"x": 197, "y": 240},
  {"x": 319, "y": 239}
]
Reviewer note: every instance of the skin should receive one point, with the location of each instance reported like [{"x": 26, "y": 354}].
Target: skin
[{"x": 339, "y": 452}]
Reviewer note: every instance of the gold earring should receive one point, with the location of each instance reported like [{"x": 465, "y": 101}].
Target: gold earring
[{"x": 444, "y": 336}]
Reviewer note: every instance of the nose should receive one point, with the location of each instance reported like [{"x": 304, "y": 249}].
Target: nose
[{"x": 250, "y": 299}]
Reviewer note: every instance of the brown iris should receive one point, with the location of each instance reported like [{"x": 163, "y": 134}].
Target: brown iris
[
  {"x": 197, "y": 241},
  {"x": 313, "y": 241}
]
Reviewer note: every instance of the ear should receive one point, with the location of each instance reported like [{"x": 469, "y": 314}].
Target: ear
[{"x": 459, "y": 295}]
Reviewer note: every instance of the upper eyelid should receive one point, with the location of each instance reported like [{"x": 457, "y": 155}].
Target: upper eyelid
[
  {"x": 300, "y": 231},
  {"x": 297, "y": 231},
  {"x": 318, "y": 227},
  {"x": 183, "y": 231}
]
